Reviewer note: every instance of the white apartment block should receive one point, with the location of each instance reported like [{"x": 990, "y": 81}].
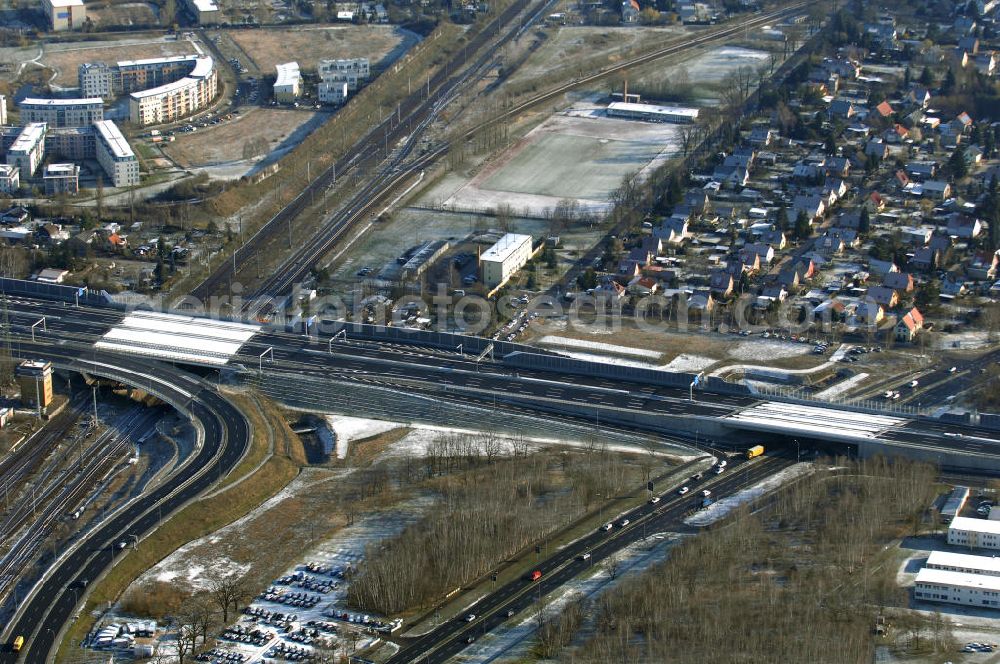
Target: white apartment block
[
  {"x": 937, "y": 585},
  {"x": 503, "y": 259},
  {"x": 62, "y": 112},
  {"x": 175, "y": 100},
  {"x": 115, "y": 155},
  {"x": 28, "y": 149},
  {"x": 10, "y": 179},
  {"x": 64, "y": 14},
  {"x": 61, "y": 179},
  {"x": 974, "y": 533},
  {"x": 332, "y": 93},
  {"x": 98, "y": 79},
  {"x": 3, "y": 110},
  {"x": 354, "y": 72},
  {"x": 288, "y": 84}
]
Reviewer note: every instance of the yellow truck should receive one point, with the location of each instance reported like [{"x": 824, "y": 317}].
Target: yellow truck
[{"x": 755, "y": 451}]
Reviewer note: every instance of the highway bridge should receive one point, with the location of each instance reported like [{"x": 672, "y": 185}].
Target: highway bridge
[{"x": 512, "y": 376}]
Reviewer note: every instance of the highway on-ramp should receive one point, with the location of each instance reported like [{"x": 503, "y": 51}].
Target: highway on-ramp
[{"x": 226, "y": 438}]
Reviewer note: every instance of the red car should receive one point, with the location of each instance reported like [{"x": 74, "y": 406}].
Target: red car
[{"x": 536, "y": 575}]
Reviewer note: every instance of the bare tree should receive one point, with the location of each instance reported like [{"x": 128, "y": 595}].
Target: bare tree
[{"x": 227, "y": 592}]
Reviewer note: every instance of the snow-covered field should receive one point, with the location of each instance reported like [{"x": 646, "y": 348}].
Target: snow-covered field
[
  {"x": 764, "y": 350},
  {"x": 720, "y": 508},
  {"x": 599, "y": 346}
]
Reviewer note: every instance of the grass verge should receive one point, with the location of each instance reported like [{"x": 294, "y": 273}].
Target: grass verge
[{"x": 202, "y": 516}]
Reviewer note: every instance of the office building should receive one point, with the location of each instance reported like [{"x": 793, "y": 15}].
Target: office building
[
  {"x": 62, "y": 112},
  {"x": 963, "y": 562},
  {"x": 288, "y": 84},
  {"x": 10, "y": 179},
  {"x": 938, "y": 585},
  {"x": 34, "y": 377},
  {"x": 503, "y": 259},
  {"x": 64, "y": 14},
  {"x": 974, "y": 533},
  {"x": 61, "y": 179},
  {"x": 28, "y": 149},
  {"x": 115, "y": 155}
]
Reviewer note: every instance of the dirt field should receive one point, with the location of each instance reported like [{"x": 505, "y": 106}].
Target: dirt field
[
  {"x": 130, "y": 13},
  {"x": 66, "y": 58},
  {"x": 568, "y": 45},
  {"x": 307, "y": 46},
  {"x": 224, "y": 142}
]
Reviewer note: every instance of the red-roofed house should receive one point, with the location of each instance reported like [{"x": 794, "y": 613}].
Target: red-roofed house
[
  {"x": 884, "y": 109},
  {"x": 909, "y": 325}
]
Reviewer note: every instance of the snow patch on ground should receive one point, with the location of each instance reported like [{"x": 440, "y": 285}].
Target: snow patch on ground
[
  {"x": 607, "y": 359},
  {"x": 345, "y": 429},
  {"x": 601, "y": 347},
  {"x": 843, "y": 386},
  {"x": 964, "y": 340},
  {"x": 720, "y": 508},
  {"x": 688, "y": 362},
  {"x": 767, "y": 350}
]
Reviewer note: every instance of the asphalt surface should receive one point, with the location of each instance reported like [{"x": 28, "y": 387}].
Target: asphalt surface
[{"x": 226, "y": 440}]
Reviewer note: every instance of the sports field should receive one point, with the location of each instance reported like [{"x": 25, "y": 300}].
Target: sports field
[{"x": 579, "y": 154}]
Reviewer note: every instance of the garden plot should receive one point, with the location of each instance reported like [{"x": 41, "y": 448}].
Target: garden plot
[{"x": 580, "y": 155}]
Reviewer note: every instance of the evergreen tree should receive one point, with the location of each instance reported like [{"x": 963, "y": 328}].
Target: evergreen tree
[
  {"x": 957, "y": 165},
  {"x": 802, "y": 226},
  {"x": 926, "y": 78},
  {"x": 864, "y": 221},
  {"x": 782, "y": 218}
]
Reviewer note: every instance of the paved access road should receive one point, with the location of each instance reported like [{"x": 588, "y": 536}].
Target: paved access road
[{"x": 226, "y": 439}]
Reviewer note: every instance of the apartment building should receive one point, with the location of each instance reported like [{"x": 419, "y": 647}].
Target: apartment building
[
  {"x": 354, "y": 72},
  {"x": 175, "y": 100},
  {"x": 10, "y": 179},
  {"x": 28, "y": 149},
  {"x": 115, "y": 155},
  {"x": 64, "y": 14},
  {"x": 288, "y": 84},
  {"x": 61, "y": 179},
  {"x": 62, "y": 112}
]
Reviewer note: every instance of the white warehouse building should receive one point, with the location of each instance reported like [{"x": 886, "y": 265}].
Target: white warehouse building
[
  {"x": 288, "y": 84},
  {"x": 501, "y": 261},
  {"x": 974, "y": 533},
  {"x": 938, "y": 585},
  {"x": 651, "y": 112},
  {"x": 963, "y": 562}
]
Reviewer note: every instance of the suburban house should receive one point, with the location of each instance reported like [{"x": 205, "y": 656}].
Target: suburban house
[{"x": 909, "y": 325}]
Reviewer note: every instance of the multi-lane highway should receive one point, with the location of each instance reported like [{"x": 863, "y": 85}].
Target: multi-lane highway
[
  {"x": 225, "y": 439},
  {"x": 513, "y": 598}
]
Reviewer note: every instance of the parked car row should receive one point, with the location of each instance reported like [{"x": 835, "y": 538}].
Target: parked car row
[
  {"x": 289, "y": 653},
  {"x": 360, "y": 619},
  {"x": 323, "y": 626},
  {"x": 304, "y": 635},
  {"x": 296, "y": 599},
  {"x": 247, "y": 634},
  {"x": 276, "y": 618},
  {"x": 323, "y": 568},
  {"x": 220, "y": 656},
  {"x": 516, "y": 326},
  {"x": 307, "y": 582}
]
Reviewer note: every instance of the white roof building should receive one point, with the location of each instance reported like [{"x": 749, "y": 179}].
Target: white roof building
[
  {"x": 938, "y": 585},
  {"x": 963, "y": 562},
  {"x": 981, "y": 533},
  {"x": 652, "y": 112},
  {"x": 287, "y": 84}
]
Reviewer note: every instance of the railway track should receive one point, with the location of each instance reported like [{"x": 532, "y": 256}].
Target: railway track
[
  {"x": 363, "y": 203},
  {"x": 415, "y": 108}
]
